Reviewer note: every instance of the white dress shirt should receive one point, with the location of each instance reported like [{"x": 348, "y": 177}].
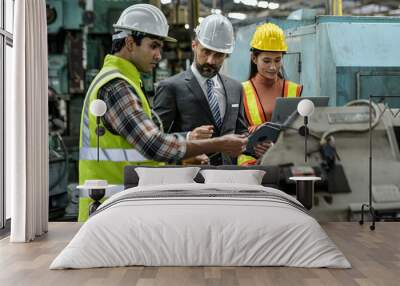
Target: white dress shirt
[{"x": 219, "y": 91}]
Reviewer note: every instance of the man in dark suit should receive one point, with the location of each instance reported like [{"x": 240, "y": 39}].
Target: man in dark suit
[{"x": 200, "y": 102}]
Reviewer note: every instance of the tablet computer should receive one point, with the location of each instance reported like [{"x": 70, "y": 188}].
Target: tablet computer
[
  {"x": 285, "y": 111},
  {"x": 266, "y": 132}
]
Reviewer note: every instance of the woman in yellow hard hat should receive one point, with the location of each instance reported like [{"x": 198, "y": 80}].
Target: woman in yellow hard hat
[{"x": 265, "y": 82}]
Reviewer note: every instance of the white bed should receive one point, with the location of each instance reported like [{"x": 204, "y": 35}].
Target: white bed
[{"x": 203, "y": 225}]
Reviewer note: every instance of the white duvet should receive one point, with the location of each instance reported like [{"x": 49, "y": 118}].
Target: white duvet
[{"x": 206, "y": 230}]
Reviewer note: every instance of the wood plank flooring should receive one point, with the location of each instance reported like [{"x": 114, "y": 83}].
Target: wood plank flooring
[{"x": 374, "y": 255}]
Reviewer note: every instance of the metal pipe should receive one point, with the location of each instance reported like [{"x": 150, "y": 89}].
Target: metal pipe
[
  {"x": 305, "y": 137},
  {"x": 339, "y": 8},
  {"x": 370, "y": 152},
  {"x": 177, "y": 5},
  {"x": 328, "y": 7},
  {"x": 193, "y": 14},
  {"x": 358, "y": 86}
]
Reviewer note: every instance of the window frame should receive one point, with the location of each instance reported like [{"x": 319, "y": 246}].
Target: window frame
[{"x": 6, "y": 39}]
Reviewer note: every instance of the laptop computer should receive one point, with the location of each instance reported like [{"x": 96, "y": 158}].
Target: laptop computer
[{"x": 286, "y": 106}]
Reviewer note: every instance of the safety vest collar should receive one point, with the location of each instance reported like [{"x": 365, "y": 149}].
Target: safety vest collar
[{"x": 125, "y": 67}]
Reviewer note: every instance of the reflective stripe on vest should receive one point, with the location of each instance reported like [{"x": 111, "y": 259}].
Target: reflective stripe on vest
[
  {"x": 115, "y": 155},
  {"x": 252, "y": 105}
]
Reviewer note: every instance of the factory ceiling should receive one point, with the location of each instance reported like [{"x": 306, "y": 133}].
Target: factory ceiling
[{"x": 282, "y": 8}]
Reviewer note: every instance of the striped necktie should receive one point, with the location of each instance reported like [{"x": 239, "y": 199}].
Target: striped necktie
[{"x": 212, "y": 101}]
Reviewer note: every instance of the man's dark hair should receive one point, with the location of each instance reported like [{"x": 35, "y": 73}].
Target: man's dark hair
[{"x": 118, "y": 44}]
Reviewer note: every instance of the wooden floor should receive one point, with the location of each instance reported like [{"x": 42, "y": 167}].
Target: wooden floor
[{"x": 374, "y": 255}]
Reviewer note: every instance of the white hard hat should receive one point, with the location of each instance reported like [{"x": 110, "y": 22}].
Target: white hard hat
[
  {"x": 143, "y": 18},
  {"x": 215, "y": 32}
]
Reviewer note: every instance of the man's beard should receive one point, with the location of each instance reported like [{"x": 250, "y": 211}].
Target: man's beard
[{"x": 208, "y": 70}]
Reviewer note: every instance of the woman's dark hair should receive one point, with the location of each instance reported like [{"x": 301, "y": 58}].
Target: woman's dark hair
[{"x": 253, "y": 66}]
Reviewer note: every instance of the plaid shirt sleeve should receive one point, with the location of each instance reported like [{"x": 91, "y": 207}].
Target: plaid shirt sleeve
[{"x": 126, "y": 117}]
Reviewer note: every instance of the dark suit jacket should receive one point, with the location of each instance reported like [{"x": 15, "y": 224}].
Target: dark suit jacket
[{"x": 182, "y": 106}]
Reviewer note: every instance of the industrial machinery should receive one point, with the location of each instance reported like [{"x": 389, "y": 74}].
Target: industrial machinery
[
  {"x": 58, "y": 158},
  {"x": 339, "y": 152},
  {"x": 346, "y": 59}
]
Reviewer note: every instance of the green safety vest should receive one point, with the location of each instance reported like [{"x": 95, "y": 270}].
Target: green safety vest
[{"x": 114, "y": 151}]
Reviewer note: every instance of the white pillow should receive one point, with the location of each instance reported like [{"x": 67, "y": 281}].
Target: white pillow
[
  {"x": 248, "y": 177},
  {"x": 166, "y": 176}
]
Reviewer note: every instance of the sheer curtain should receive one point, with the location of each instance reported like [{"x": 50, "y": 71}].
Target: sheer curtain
[{"x": 26, "y": 124}]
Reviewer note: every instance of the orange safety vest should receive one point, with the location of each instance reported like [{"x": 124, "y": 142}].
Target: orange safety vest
[
  {"x": 255, "y": 113},
  {"x": 252, "y": 105}
]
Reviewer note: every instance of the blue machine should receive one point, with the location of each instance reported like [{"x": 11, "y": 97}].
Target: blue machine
[
  {"x": 63, "y": 14},
  {"x": 345, "y": 58}
]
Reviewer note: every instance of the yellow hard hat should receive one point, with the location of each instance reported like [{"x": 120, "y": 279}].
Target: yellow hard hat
[{"x": 269, "y": 37}]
